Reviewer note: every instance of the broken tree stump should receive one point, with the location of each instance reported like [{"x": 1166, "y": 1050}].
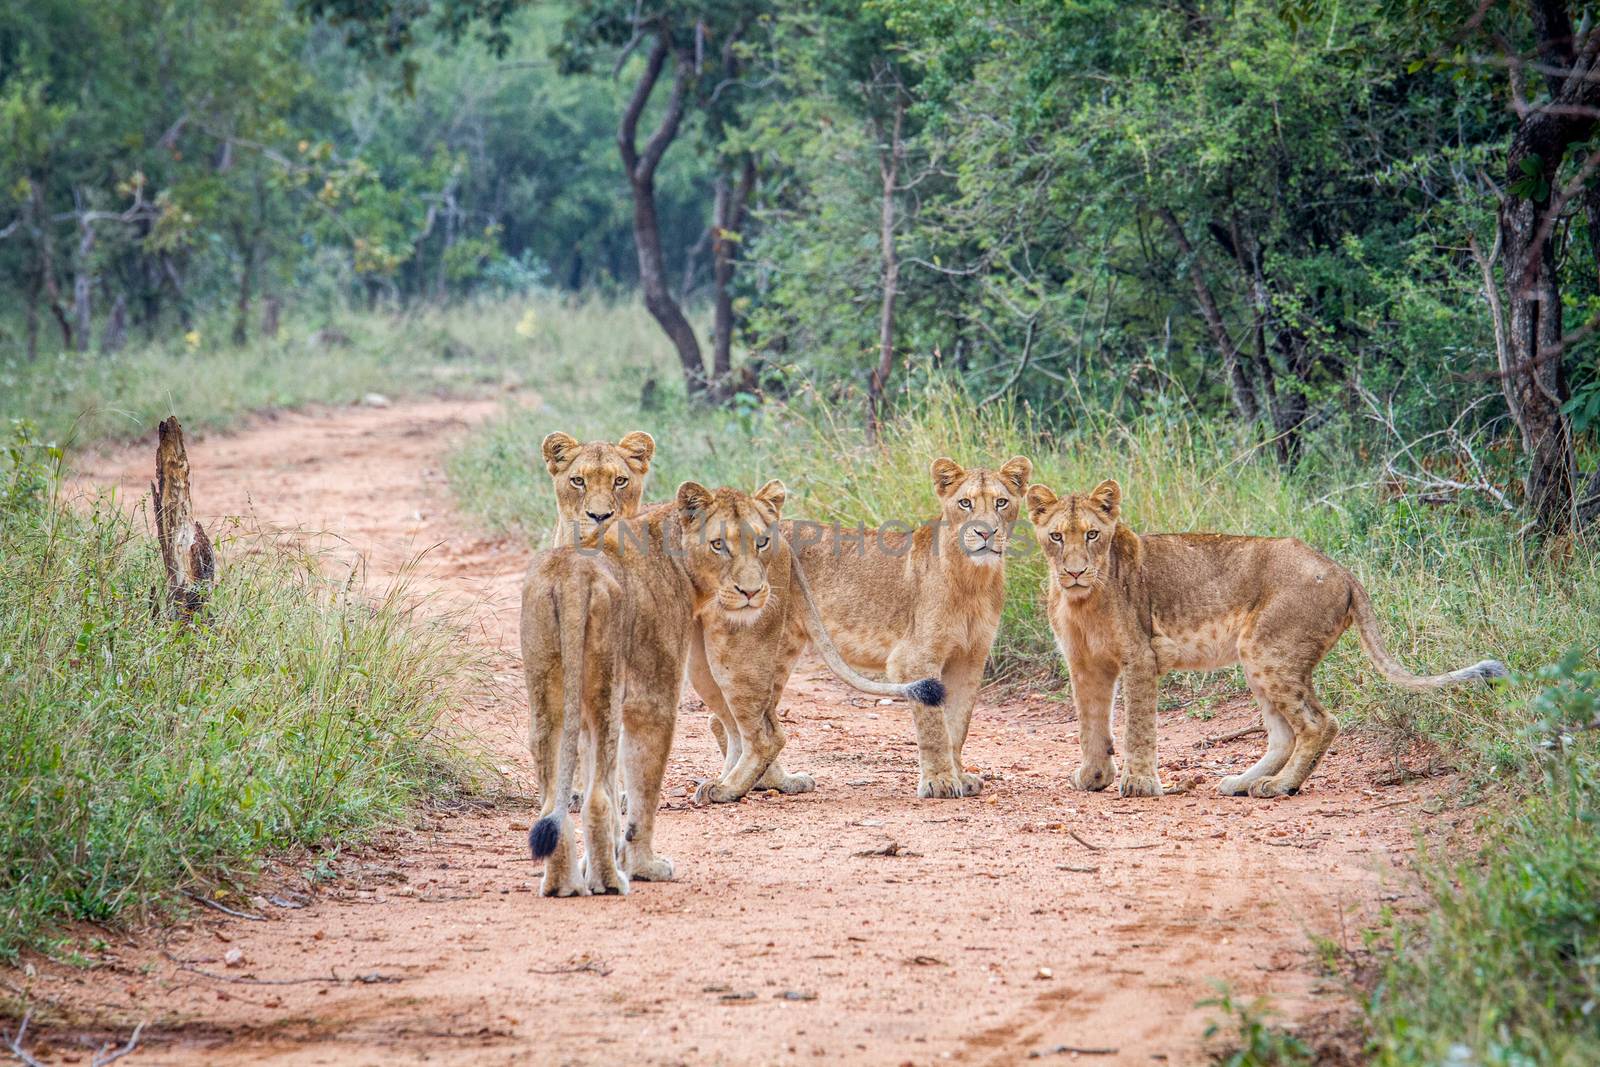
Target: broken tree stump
[{"x": 185, "y": 549}]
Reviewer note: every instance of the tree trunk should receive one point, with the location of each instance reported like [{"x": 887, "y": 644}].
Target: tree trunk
[
  {"x": 116, "y": 331},
  {"x": 31, "y": 315},
  {"x": 47, "y": 264},
  {"x": 641, "y": 168},
  {"x": 1239, "y": 384},
  {"x": 889, "y": 172},
  {"x": 83, "y": 279},
  {"x": 1532, "y": 373},
  {"x": 247, "y": 285},
  {"x": 727, "y": 219},
  {"x": 1532, "y": 377},
  {"x": 271, "y": 308}
]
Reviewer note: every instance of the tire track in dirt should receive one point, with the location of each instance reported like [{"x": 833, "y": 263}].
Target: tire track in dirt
[{"x": 996, "y": 932}]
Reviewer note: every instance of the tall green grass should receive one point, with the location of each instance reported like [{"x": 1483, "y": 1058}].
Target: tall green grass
[
  {"x": 1504, "y": 970},
  {"x": 142, "y": 755}
]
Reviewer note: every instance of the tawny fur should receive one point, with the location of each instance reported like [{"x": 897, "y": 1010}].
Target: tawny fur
[
  {"x": 595, "y": 482},
  {"x": 919, "y": 604},
  {"x": 1127, "y": 608}
]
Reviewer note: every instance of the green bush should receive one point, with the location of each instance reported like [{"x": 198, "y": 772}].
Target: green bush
[{"x": 142, "y": 755}]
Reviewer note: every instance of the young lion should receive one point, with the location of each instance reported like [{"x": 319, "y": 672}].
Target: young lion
[
  {"x": 595, "y": 482},
  {"x": 924, "y": 603},
  {"x": 1134, "y": 606}
]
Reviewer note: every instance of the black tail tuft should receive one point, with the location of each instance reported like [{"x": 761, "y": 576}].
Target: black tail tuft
[
  {"x": 544, "y": 837},
  {"x": 929, "y": 691}
]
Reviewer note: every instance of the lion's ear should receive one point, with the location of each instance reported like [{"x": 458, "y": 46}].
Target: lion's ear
[
  {"x": 1016, "y": 472},
  {"x": 638, "y": 448},
  {"x": 694, "y": 501},
  {"x": 947, "y": 474},
  {"x": 1107, "y": 496},
  {"x": 773, "y": 494},
  {"x": 1040, "y": 499},
  {"x": 559, "y": 450}
]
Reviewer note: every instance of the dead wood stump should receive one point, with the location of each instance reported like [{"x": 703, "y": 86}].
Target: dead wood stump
[{"x": 185, "y": 549}]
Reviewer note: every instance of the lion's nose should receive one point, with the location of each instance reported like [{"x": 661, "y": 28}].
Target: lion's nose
[
  {"x": 599, "y": 518},
  {"x": 749, "y": 594},
  {"x": 1074, "y": 575},
  {"x": 984, "y": 533}
]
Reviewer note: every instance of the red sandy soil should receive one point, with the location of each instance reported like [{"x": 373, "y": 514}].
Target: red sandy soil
[{"x": 1023, "y": 920}]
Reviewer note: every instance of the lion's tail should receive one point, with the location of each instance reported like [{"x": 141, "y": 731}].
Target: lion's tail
[
  {"x": 929, "y": 691},
  {"x": 1366, "y": 623},
  {"x": 572, "y": 623}
]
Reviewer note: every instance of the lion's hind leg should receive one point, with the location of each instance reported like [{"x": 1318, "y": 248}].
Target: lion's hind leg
[
  {"x": 1280, "y": 745},
  {"x": 1315, "y": 730},
  {"x": 603, "y": 729},
  {"x": 647, "y": 725}
]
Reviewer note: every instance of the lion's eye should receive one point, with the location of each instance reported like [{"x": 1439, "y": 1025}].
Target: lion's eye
[
  {"x": 1056, "y": 537},
  {"x": 1091, "y": 535},
  {"x": 577, "y": 482},
  {"x": 717, "y": 545},
  {"x": 620, "y": 482},
  {"x": 762, "y": 544},
  {"x": 966, "y": 505},
  {"x": 1001, "y": 503}
]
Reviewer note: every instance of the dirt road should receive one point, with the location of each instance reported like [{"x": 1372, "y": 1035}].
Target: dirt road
[{"x": 1020, "y": 921}]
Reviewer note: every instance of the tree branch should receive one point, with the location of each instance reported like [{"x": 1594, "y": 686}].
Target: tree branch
[{"x": 628, "y": 126}]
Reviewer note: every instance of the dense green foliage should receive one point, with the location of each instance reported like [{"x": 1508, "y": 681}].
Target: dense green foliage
[
  {"x": 143, "y": 755},
  {"x": 164, "y": 166}
]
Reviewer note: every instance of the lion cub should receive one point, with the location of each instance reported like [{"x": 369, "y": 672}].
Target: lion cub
[{"x": 1131, "y": 607}]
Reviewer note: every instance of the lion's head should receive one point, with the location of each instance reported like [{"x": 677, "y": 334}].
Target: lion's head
[
  {"x": 1076, "y": 532},
  {"x": 729, "y": 540},
  {"x": 596, "y": 482},
  {"x": 978, "y": 506}
]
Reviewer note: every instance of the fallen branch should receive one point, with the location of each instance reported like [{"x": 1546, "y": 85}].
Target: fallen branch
[
  {"x": 371, "y": 978},
  {"x": 224, "y": 908},
  {"x": 893, "y": 848},
  {"x": 1232, "y": 735},
  {"x": 1101, "y": 848},
  {"x": 107, "y": 1054},
  {"x": 15, "y": 1043},
  {"x": 587, "y": 967},
  {"x": 1071, "y": 1050}
]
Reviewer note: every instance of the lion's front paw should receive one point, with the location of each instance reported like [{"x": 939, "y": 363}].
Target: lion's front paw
[
  {"x": 971, "y": 784},
  {"x": 561, "y": 886},
  {"x": 1235, "y": 785},
  {"x": 606, "y": 881},
  {"x": 940, "y": 787},
  {"x": 787, "y": 783},
  {"x": 1273, "y": 786},
  {"x": 1094, "y": 777},
  {"x": 1139, "y": 785},
  {"x": 715, "y": 793},
  {"x": 654, "y": 869}
]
